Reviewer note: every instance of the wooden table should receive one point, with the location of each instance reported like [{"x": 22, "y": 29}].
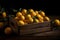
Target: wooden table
[{"x": 46, "y": 35}]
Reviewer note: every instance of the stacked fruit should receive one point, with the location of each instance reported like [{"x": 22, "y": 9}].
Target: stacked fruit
[{"x": 30, "y": 16}]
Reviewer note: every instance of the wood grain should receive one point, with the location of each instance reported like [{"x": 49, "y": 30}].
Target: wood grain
[{"x": 36, "y": 30}]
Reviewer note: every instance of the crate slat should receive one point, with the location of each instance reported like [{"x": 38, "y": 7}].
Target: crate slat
[
  {"x": 49, "y": 33},
  {"x": 22, "y": 32},
  {"x": 35, "y": 25}
]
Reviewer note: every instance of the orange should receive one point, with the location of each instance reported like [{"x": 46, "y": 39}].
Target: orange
[
  {"x": 36, "y": 20},
  {"x": 18, "y": 14},
  {"x": 33, "y": 14},
  {"x": 4, "y": 14},
  {"x": 57, "y": 22},
  {"x": 21, "y": 22},
  {"x": 24, "y": 11},
  {"x": 31, "y": 10},
  {"x": 22, "y": 17},
  {"x": 46, "y": 18},
  {"x": 40, "y": 17},
  {"x": 42, "y": 13},
  {"x": 31, "y": 19},
  {"x": 28, "y": 16},
  {"x": 36, "y": 12},
  {"x": 8, "y": 30}
]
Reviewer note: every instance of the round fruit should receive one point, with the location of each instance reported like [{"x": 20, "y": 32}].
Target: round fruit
[
  {"x": 1, "y": 24},
  {"x": 40, "y": 17},
  {"x": 4, "y": 14},
  {"x": 57, "y": 22},
  {"x": 42, "y": 13},
  {"x": 30, "y": 19},
  {"x": 28, "y": 16},
  {"x": 18, "y": 14},
  {"x": 36, "y": 12},
  {"x": 22, "y": 17},
  {"x": 46, "y": 18},
  {"x": 36, "y": 20},
  {"x": 21, "y": 22},
  {"x": 31, "y": 10},
  {"x": 8, "y": 30},
  {"x": 24, "y": 11},
  {"x": 33, "y": 14}
]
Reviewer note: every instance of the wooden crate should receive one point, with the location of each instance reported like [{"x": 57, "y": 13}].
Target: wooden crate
[{"x": 35, "y": 28}]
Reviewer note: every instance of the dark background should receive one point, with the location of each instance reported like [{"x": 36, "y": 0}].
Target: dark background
[{"x": 51, "y": 7}]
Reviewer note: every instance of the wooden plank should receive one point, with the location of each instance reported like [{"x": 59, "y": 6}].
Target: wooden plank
[
  {"x": 22, "y": 32},
  {"x": 49, "y": 33},
  {"x": 35, "y": 25}
]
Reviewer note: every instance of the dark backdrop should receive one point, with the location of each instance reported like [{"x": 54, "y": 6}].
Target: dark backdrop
[{"x": 51, "y": 7}]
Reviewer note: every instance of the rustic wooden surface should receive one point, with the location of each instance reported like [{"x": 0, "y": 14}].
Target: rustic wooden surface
[{"x": 44, "y": 36}]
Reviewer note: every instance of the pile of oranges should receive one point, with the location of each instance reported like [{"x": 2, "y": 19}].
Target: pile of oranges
[{"x": 30, "y": 16}]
